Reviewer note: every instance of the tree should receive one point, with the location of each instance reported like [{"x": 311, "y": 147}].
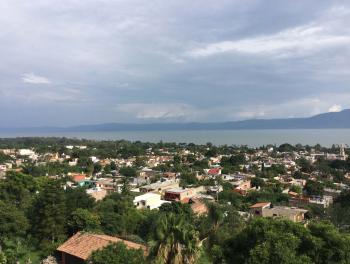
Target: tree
[
  {"x": 128, "y": 171},
  {"x": 305, "y": 165},
  {"x": 296, "y": 188},
  {"x": 117, "y": 253},
  {"x": 175, "y": 241},
  {"x": 286, "y": 148},
  {"x": 118, "y": 215},
  {"x": 257, "y": 182},
  {"x": 83, "y": 220},
  {"x": 178, "y": 209},
  {"x": 3, "y": 259},
  {"x": 314, "y": 188},
  {"x": 125, "y": 186},
  {"x": 281, "y": 241},
  {"x": 13, "y": 222},
  {"x": 332, "y": 246},
  {"x": 97, "y": 167},
  {"x": 48, "y": 214},
  {"x": 188, "y": 179},
  {"x": 266, "y": 241},
  {"x": 340, "y": 210},
  {"x": 78, "y": 198},
  {"x": 140, "y": 162},
  {"x": 17, "y": 189}
]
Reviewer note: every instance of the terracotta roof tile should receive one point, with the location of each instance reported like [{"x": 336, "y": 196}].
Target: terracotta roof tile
[{"x": 81, "y": 245}]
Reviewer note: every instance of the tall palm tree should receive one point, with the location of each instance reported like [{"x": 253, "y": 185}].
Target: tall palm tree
[{"x": 175, "y": 241}]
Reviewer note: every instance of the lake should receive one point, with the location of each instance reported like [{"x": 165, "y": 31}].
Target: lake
[{"x": 325, "y": 137}]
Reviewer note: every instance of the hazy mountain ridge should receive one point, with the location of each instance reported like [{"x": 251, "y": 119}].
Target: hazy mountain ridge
[{"x": 321, "y": 121}]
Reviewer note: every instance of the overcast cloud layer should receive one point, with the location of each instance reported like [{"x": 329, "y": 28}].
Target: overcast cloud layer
[{"x": 85, "y": 62}]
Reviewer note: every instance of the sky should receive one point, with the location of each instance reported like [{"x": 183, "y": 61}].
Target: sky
[{"x": 76, "y": 62}]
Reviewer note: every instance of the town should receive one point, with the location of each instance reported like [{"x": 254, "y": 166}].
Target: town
[{"x": 74, "y": 201}]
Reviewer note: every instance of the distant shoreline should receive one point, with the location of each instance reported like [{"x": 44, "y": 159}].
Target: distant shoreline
[{"x": 251, "y": 137}]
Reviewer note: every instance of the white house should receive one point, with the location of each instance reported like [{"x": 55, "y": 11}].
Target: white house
[{"x": 148, "y": 201}]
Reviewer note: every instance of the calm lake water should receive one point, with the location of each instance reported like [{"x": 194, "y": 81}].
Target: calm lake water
[{"x": 325, "y": 137}]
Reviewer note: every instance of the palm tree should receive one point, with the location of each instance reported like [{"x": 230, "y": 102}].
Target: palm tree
[
  {"x": 215, "y": 215},
  {"x": 175, "y": 241}
]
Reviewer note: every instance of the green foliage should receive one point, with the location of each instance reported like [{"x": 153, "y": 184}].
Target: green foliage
[
  {"x": 50, "y": 168},
  {"x": 178, "y": 209},
  {"x": 233, "y": 160},
  {"x": 4, "y": 158},
  {"x": 200, "y": 164},
  {"x": 281, "y": 241},
  {"x": 118, "y": 215},
  {"x": 188, "y": 179},
  {"x": 267, "y": 194},
  {"x": 13, "y": 222},
  {"x": 212, "y": 152},
  {"x": 296, "y": 188},
  {"x": 3, "y": 259},
  {"x": 314, "y": 188},
  {"x": 83, "y": 220},
  {"x": 17, "y": 189},
  {"x": 257, "y": 182},
  {"x": 128, "y": 171},
  {"x": 286, "y": 148},
  {"x": 174, "y": 240},
  {"x": 305, "y": 165},
  {"x": 117, "y": 254},
  {"x": 78, "y": 198},
  {"x": 126, "y": 186},
  {"x": 340, "y": 211},
  {"x": 48, "y": 214}
]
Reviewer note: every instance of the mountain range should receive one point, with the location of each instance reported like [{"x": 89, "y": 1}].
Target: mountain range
[{"x": 322, "y": 121}]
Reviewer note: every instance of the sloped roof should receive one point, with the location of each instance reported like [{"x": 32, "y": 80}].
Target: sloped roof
[
  {"x": 214, "y": 171},
  {"x": 259, "y": 205},
  {"x": 81, "y": 245}
]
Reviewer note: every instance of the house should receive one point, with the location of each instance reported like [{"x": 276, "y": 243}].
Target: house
[
  {"x": 25, "y": 152},
  {"x": 78, "y": 248},
  {"x": 160, "y": 186},
  {"x": 213, "y": 171},
  {"x": 108, "y": 184},
  {"x": 324, "y": 201},
  {"x": 148, "y": 201},
  {"x": 243, "y": 187},
  {"x": 299, "y": 200},
  {"x": 268, "y": 210},
  {"x": 169, "y": 175},
  {"x": 78, "y": 177},
  {"x": 182, "y": 194},
  {"x": 257, "y": 209},
  {"x": 147, "y": 173},
  {"x": 97, "y": 193}
]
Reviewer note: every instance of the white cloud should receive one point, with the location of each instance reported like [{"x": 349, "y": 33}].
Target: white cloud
[
  {"x": 303, "y": 107},
  {"x": 34, "y": 79},
  {"x": 335, "y": 108},
  {"x": 156, "y": 111},
  {"x": 296, "y": 41}
]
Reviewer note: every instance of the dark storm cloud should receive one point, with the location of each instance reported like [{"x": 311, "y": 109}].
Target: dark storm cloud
[{"x": 74, "y": 62}]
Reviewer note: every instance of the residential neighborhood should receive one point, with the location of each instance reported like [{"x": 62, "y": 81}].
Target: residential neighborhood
[{"x": 123, "y": 192}]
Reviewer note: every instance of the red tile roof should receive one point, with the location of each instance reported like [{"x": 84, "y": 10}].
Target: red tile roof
[
  {"x": 81, "y": 245},
  {"x": 78, "y": 177},
  {"x": 214, "y": 171}
]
